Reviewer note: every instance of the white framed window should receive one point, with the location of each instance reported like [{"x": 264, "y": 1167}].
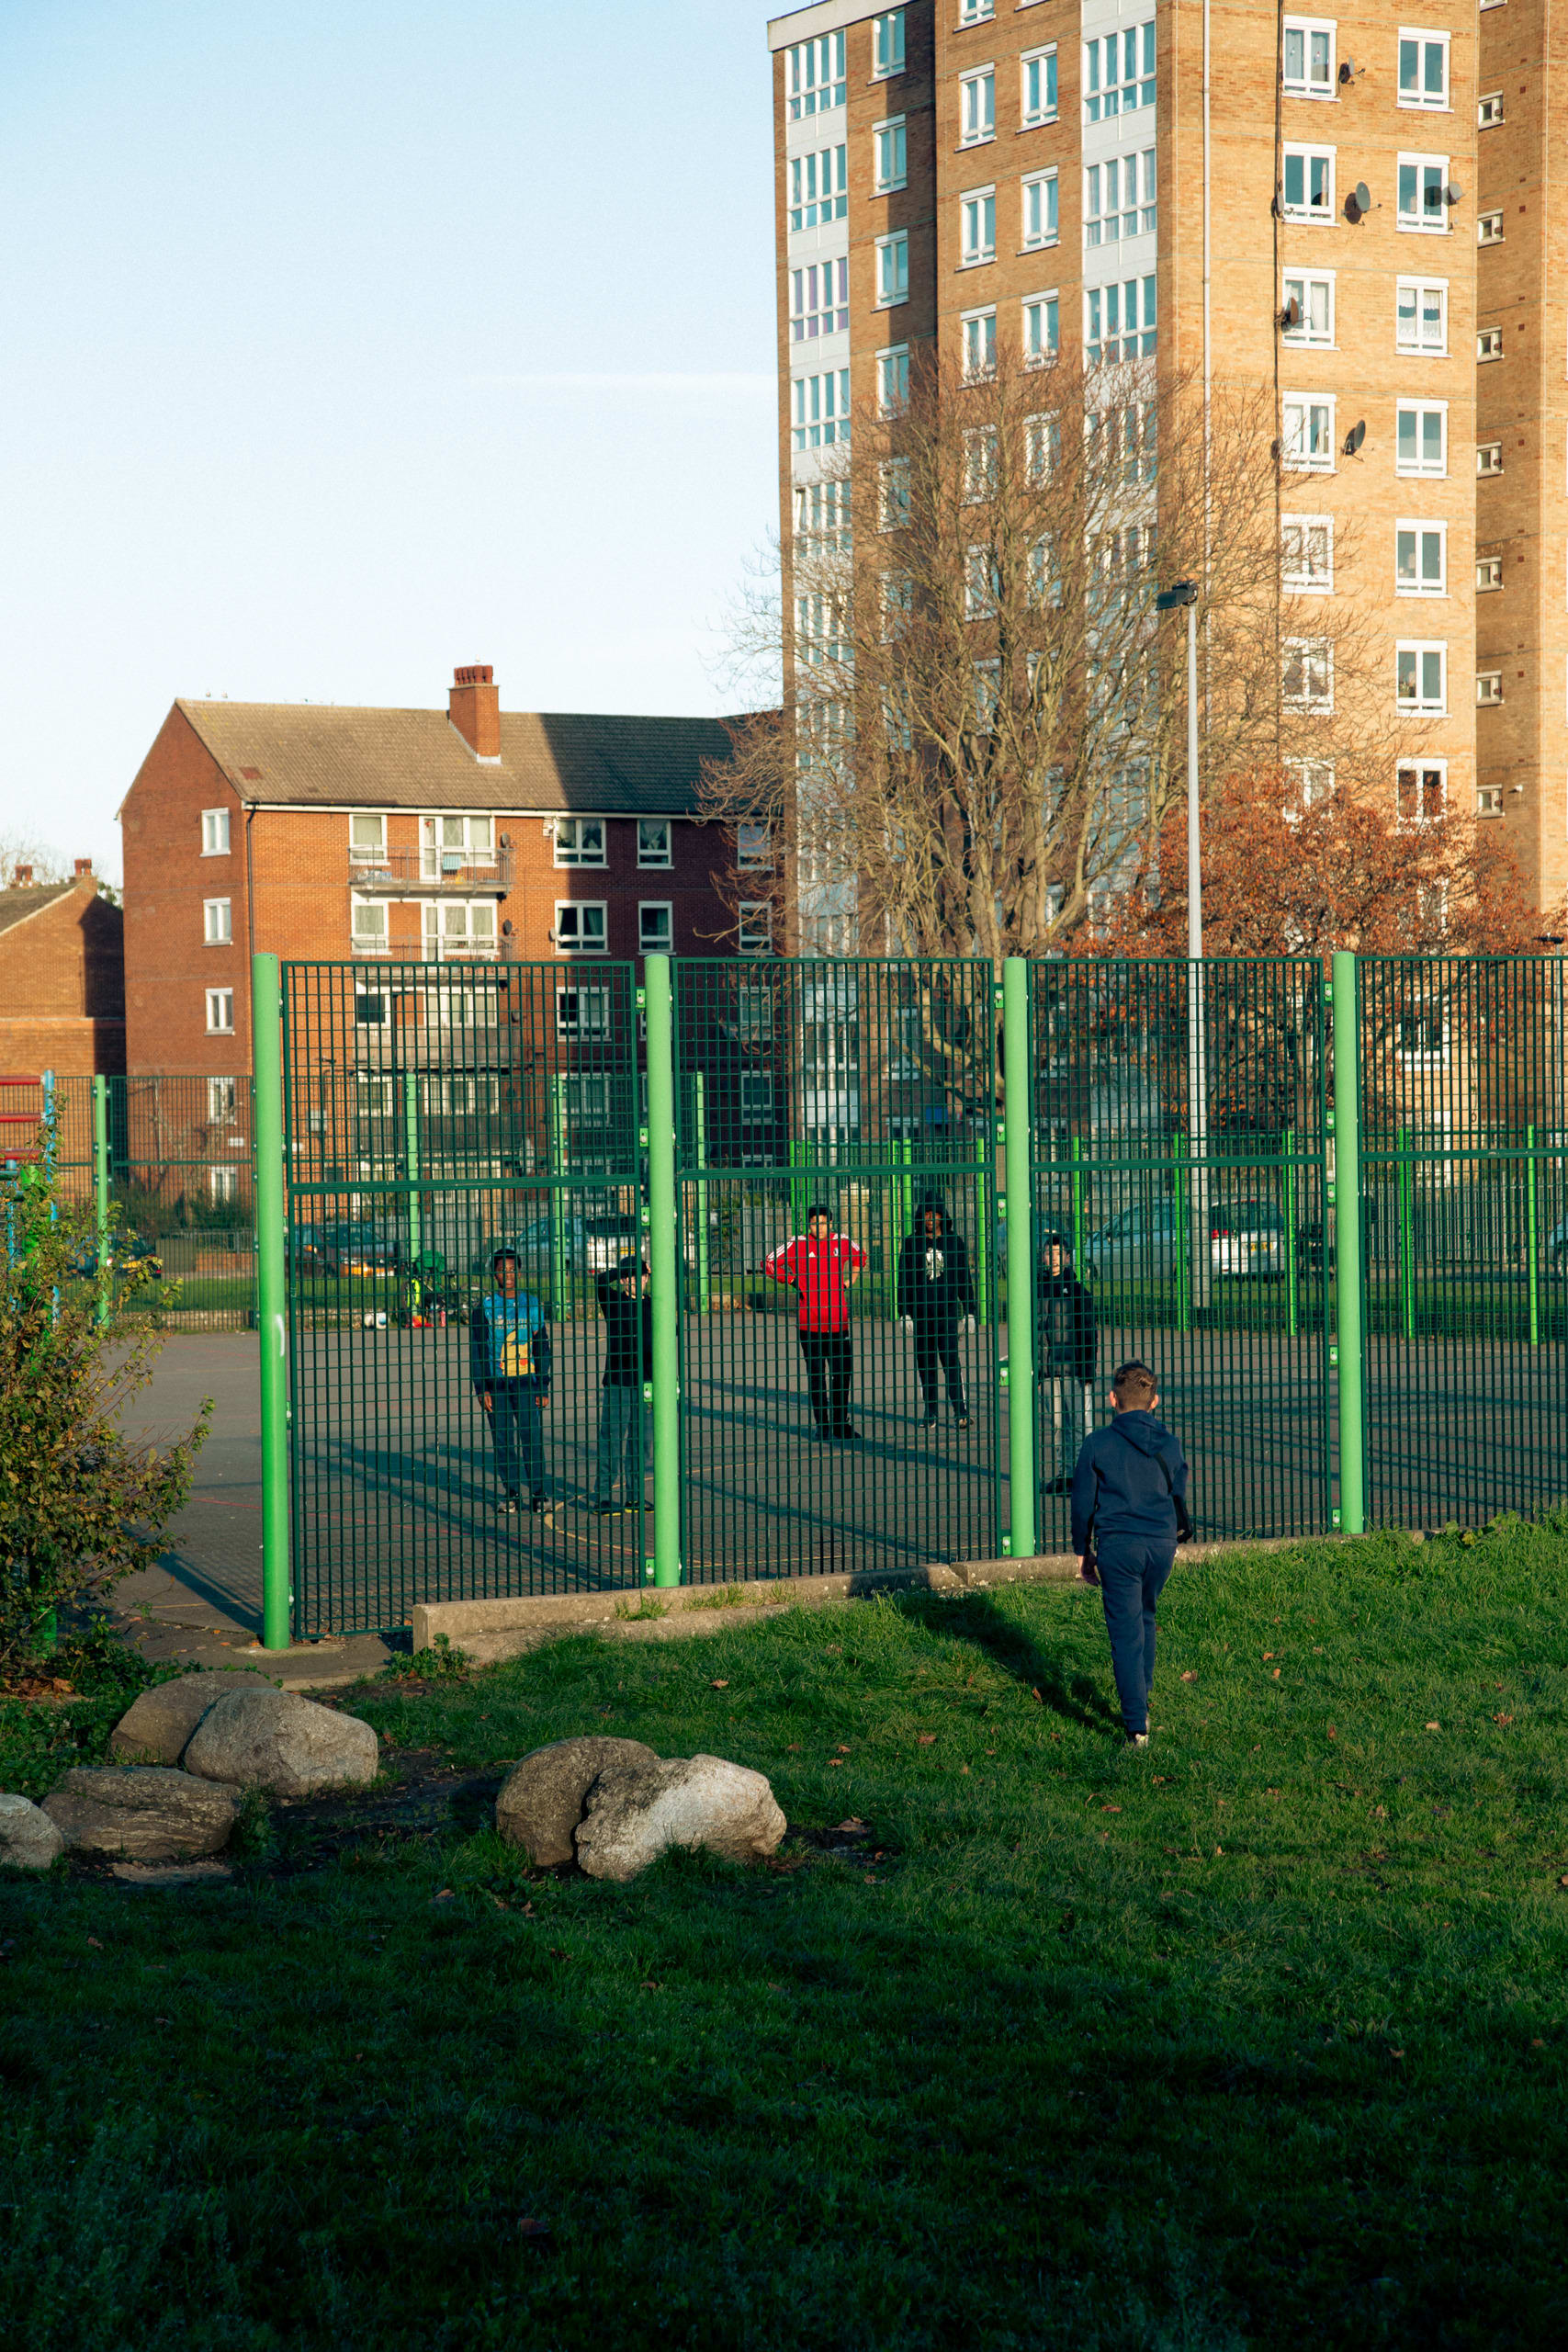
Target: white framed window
[
  {"x": 1307, "y": 184},
  {"x": 1119, "y": 72},
  {"x": 1047, "y": 586},
  {"x": 1310, "y": 291},
  {"x": 217, "y": 922},
  {"x": 368, "y": 840},
  {"x": 1424, "y": 193},
  {"x": 1308, "y": 63},
  {"x": 1038, "y": 209},
  {"x": 1489, "y": 229},
  {"x": 892, "y": 379},
  {"x": 819, "y": 629},
  {"x": 893, "y": 494},
  {"x": 1488, "y": 687},
  {"x": 367, "y": 932},
  {"x": 892, "y": 269},
  {"x": 1422, "y": 1036},
  {"x": 581, "y": 926},
  {"x": 581, "y": 841},
  {"x": 1307, "y": 442},
  {"x": 982, "y": 584},
  {"x": 1489, "y": 456},
  {"x": 1423, "y": 68},
  {"x": 890, "y": 155},
  {"x": 655, "y": 927},
  {"x": 896, "y": 600},
  {"x": 981, "y": 445},
  {"x": 979, "y": 334},
  {"x": 220, "y": 1012},
  {"x": 582, "y": 1013},
  {"x": 976, "y": 12},
  {"x": 1489, "y": 110},
  {"x": 1306, "y": 672},
  {"x": 1042, "y": 329},
  {"x": 978, "y": 227},
  {"x": 819, "y": 186},
  {"x": 977, "y": 106},
  {"x": 815, "y": 75},
  {"x": 223, "y": 1184},
  {"x": 822, "y": 514},
  {"x": 820, "y": 298},
  {"x": 1308, "y": 783},
  {"x": 215, "y": 832},
  {"x": 756, "y": 927},
  {"x": 1119, "y": 321},
  {"x": 1421, "y": 676},
  {"x": 1112, "y": 207},
  {"x": 458, "y": 929},
  {"x": 1306, "y": 554},
  {"x": 1488, "y": 574},
  {"x": 1421, "y": 559},
  {"x": 223, "y": 1101},
  {"x": 1488, "y": 800},
  {"x": 1421, "y": 791},
  {"x": 449, "y": 844},
  {"x": 756, "y": 1097},
  {"x": 1488, "y": 343},
  {"x": 1421, "y": 438},
  {"x": 754, "y": 847},
  {"x": 1037, "y": 91},
  {"x": 887, "y": 44},
  {"x": 1042, "y": 447},
  {"x": 820, "y": 409},
  {"x": 654, "y": 846},
  {"x": 1421, "y": 315}
]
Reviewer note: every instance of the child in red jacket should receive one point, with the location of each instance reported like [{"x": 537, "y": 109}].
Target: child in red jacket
[{"x": 821, "y": 1267}]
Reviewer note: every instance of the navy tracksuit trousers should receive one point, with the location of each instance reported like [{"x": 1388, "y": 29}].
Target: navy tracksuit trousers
[{"x": 1132, "y": 1572}]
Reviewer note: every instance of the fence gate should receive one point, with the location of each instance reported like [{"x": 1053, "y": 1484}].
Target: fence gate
[
  {"x": 433, "y": 1112},
  {"x": 1202, "y": 1241},
  {"x": 867, "y": 1087}
]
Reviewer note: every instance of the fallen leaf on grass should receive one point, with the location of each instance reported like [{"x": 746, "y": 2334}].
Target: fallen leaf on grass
[
  {"x": 1190, "y": 1675},
  {"x": 925, "y": 1739},
  {"x": 722, "y": 1684},
  {"x": 1275, "y": 1676},
  {"x": 1434, "y": 1727},
  {"x": 1034, "y": 1694},
  {"x": 1271, "y": 1793},
  {"x": 443, "y": 1896},
  {"x": 1502, "y": 1719},
  {"x": 1332, "y": 1733},
  {"x": 835, "y": 1760},
  {"x": 1110, "y": 1808},
  {"x": 95, "y": 1944},
  {"x": 1159, "y": 1781},
  {"x": 529, "y": 2228},
  {"x": 1396, "y": 2054},
  {"x": 964, "y": 1767},
  {"x": 854, "y": 1826},
  {"x": 649, "y": 1987},
  {"x": 1538, "y": 2045},
  {"x": 1268, "y": 1653}
]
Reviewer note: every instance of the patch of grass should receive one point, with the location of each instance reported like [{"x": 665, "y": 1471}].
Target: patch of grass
[
  {"x": 1255, "y": 2039},
  {"x": 645, "y": 1606},
  {"x": 735, "y": 1596}
]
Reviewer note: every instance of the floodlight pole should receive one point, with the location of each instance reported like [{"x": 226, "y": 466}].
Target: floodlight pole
[{"x": 1185, "y": 593}]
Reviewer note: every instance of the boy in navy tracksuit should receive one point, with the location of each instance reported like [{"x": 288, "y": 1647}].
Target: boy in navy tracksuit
[
  {"x": 509, "y": 1359},
  {"x": 1129, "y": 1512}
]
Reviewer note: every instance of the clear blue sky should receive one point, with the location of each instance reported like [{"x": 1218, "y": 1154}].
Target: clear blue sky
[{"x": 345, "y": 340}]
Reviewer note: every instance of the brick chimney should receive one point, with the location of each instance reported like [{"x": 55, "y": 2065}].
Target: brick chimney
[
  {"x": 474, "y": 708},
  {"x": 84, "y": 868},
  {"x": 22, "y": 879}
]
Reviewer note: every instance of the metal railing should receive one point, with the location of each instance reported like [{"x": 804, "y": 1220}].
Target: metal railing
[{"x": 424, "y": 871}]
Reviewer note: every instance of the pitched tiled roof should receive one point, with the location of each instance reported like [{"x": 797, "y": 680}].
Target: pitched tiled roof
[
  {"x": 16, "y": 905},
  {"x": 315, "y": 756}
]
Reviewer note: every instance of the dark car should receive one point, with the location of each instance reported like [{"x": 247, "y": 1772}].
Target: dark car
[{"x": 354, "y": 1249}]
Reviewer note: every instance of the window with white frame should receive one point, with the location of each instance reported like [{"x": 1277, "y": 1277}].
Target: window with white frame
[
  {"x": 1488, "y": 686},
  {"x": 1423, "y": 68},
  {"x": 220, "y": 1012},
  {"x": 890, "y": 155},
  {"x": 655, "y": 927},
  {"x": 822, "y": 515},
  {"x": 820, "y": 408},
  {"x": 1307, "y": 184},
  {"x": 653, "y": 841},
  {"x": 977, "y": 226},
  {"x": 1119, "y": 198},
  {"x": 815, "y": 77},
  {"x": 893, "y": 494},
  {"x": 1306, "y": 672},
  {"x": 819, "y": 629},
  {"x": 223, "y": 1185},
  {"x": 754, "y": 847},
  {"x": 981, "y": 449},
  {"x": 223, "y": 1101},
  {"x": 581, "y": 926},
  {"x": 892, "y": 379},
  {"x": 1119, "y": 321},
  {"x": 892, "y": 269},
  {"x": 977, "y": 106},
  {"x": 1488, "y": 343},
  {"x": 1306, "y": 554},
  {"x": 818, "y": 188},
  {"x": 1421, "y": 438},
  {"x": 1307, "y": 441},
  {"x": 1038, "y": 209},
  {"x": 581, "y": 841},
  {"x": 1047, "y": 589},
  {"x": 1042, "y": 334},
  {"x": 756, "y": 927},
  {"x": 455, "y": 929},
  {"x": 1489, "y": 456},
  {"x": 1489, "y": 110},
  {"x": 1420, "y": 558},
  {"x": 1311, "y": 293},
  {"x": 582, "y": 1013},
  {"x": 215, "y": 832},
  {"x": 820, "y": 298},
  {"x": 1421, "y": 676},
  {"x": 368, "y": 840},
  {"x": 1119, "y": 72},
  {"x": 979, "y": 334},
  {"x": 1308, "y": 783},
  {"x": 1421, "y": 791},
  {"x": 1488, "y": 574},
  {"x": 1308, "y": 60},
  {"x": 449, "y": 844},
  {"x": 1423, "y": 183},
  {"x": 1042, "y": 447},
  {"x": 1037, "y": 92},
  {"x": 887, "y": 44},
  {"x": 1421, "y": 315},
  {"x": 756, "y": 1097},
  {"x": 1488, "y": 800},
  {"x": 976, "y": 12},
  {"x": 368, "y": 927},
  {"x": 1489, "y": 229},
  {"x": 895, "y": 595},
  {"x": 982, "y": 584},
  {"x": 217, "y": 923}
]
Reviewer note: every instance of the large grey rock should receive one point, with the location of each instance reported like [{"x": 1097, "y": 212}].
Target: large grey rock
[
  {"x": 632, "y": 1818},
  {"x": 28, "y": 1839},
  {"x": 542, "y": 1798},
  {"x": 156, "y": 1727},
  {"x": 278, "y": 1741},
  {"x": 144, "y": 1811}
]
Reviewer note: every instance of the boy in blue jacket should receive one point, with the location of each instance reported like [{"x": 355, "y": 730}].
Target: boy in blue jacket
[
  {"x": 509, "y": 1359},
  {"x": 1129, "y": 1514}
]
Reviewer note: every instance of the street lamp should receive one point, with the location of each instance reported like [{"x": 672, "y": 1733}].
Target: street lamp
[{"x": 1171, "y": 599}]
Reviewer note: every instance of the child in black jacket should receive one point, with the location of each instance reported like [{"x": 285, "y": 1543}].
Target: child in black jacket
[
  {"x": 935, "y": 1291},
  {"x": 1066, "y": 1341}
]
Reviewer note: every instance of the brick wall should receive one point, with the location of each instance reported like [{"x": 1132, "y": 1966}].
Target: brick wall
[
  {"x": 62, "y": 988},
  {"x": 168, "y": 965}
]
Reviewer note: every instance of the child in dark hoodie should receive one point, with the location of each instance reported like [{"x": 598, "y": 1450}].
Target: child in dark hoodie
[{"x": 1129, "y": 1513}]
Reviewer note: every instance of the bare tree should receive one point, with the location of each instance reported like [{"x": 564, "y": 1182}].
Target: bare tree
[{"x": 21, "y": 852}]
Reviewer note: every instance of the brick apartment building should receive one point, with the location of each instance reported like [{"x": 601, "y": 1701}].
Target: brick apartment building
[
  {"x": 61, "y": 977},
  {"x": 465, "y": 835},
  {"x": 1359, "y": 212}
]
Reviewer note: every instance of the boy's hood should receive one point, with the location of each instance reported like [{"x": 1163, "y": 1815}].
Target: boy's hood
[{"x": 1143, "y": 1431}]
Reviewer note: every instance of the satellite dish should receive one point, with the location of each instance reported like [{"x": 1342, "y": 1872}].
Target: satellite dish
[
  {"x": 1452, "y": 193},
  {"x": 1290, "y": 316},
  {"x": 1347, "y": 70},
  {"x": 1354, "y": 438}
]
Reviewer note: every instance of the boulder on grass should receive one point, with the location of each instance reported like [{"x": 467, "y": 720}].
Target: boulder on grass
[
  {"x": 28, "y": 1839},
  {"x": 278, "y": 1741},
  {"x": 142, "y": 1812},
  {"x": 542, "y": 1798},
  {"x": 155, "y": 1729},
  {"x": 634, "y": 1816}
]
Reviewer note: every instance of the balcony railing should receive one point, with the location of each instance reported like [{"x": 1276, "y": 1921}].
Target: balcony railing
[
  {"x": 433, "y": 950},
  {"x": 396, "y": 871}
]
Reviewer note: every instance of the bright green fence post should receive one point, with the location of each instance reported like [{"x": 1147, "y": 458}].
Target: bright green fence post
[
  {"x": 411, "y": 1166},
  {"x": 272, "y": 1279},
  {"x": 1288, "y": 1207},
  {"x": 1532, "y": 1237},
  {"x": 1020, "y": 1256},
  {"x": 1351, "y": 1515},
  {"x": 662, "y": 1261},
  {"x": 701, "y": 1139},
  {"x": 101, "y": 1192}
]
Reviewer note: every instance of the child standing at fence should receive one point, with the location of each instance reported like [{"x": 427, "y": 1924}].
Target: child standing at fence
[
  {"x": 1129, "y": 1514},
  {"x": 935, "y": 1292},
  {"x": 628, "y": 1309},
  {"x": 822, "y": 1266},
  {"x": 509, "y": 1359},
  {"x": 1066, "y": 1341}
]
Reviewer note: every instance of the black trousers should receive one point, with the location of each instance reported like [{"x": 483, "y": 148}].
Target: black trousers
[
  {"x": 830, "y": 1368},
  {"x": 937, "y": 1343}
]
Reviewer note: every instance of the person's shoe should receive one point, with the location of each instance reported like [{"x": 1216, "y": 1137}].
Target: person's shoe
[
  {"x": 605, "y": 1510},
  {"x": 1137, "y": 1739},
  {"x": 931, "y": 1419},
  {"x": 847, "y": 1436},
  {"x": 507, "y": 1506},
  {"x": 962, "y": 1421},
  {"x": 536, "y": 1505},
  {"x": 1057, "y": 1486}
]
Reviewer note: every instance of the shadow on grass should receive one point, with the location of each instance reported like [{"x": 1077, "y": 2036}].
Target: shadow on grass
[{"x": 1077, "y": 1698}]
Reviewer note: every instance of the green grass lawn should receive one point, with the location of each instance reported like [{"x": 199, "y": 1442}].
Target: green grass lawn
[{"x": 1254, "y": 2039}]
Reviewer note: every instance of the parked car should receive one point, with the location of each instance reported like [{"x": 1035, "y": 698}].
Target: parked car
[
  {"x": 1144, "y": 1243},
  {"x": 126, "y": 1249},
  {"x": 1557, "y": 1251},
  {"x": 1246, "y": 1240},
  {"x": 537, "y": 1246},
  {"x": 358, "y": 1249}
]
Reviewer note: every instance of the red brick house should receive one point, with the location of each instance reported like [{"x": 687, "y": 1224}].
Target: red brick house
[
  {"x": 313, "y": 832},
  {"x": 61, "y": 977}
]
